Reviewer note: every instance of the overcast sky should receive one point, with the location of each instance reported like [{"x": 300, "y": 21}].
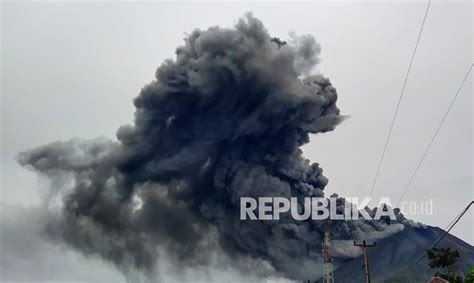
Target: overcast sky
[{"x": 72, "y": 70}]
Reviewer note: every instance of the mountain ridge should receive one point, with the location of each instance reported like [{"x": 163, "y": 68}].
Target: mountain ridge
[{"x": 392, "y": 258}]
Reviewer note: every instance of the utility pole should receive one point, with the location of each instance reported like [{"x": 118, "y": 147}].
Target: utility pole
[{"x": 364, "y": 246}]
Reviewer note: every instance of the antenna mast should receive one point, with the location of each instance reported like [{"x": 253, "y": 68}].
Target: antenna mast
[{"x": 327, "y": 264}]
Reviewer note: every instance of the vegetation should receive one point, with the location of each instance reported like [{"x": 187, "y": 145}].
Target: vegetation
[
  {"x": 469, "y": 275},
  {"x": 445, "y": 259}
]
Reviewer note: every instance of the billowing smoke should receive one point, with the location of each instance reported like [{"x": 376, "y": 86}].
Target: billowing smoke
[{"x": 225, "y": 119}]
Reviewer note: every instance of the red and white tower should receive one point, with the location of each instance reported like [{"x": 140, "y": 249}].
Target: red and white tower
[{"x": 327, "y": 259}]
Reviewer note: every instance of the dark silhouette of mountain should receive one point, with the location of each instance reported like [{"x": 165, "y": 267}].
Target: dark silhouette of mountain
[{"x": 391, "y": 259}]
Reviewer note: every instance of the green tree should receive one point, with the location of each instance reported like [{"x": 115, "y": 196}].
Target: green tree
[
  {"x": 446, "y": 260},
  {"x": 469, "y": 275}
]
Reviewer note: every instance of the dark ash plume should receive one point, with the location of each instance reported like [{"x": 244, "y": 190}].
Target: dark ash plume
[{"x": 225, "y": 119}]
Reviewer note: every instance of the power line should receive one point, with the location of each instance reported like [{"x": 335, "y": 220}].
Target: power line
[
  {"x": 459, "y": 218},
  {"x": 452, "y": 224},
  {"x": 435, "y": 134},
  {"x": 456, "y": 219},
  {"x": 448, "y": 228},
  {"x": 423, "y": 251},
  {"x": 400, "y": 99}
]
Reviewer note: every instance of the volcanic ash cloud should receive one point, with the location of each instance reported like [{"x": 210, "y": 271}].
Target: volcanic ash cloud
[{"x": 225, "y": 119}]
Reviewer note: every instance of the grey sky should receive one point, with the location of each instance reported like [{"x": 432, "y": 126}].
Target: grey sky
[{"x": 92, "y": 59}]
